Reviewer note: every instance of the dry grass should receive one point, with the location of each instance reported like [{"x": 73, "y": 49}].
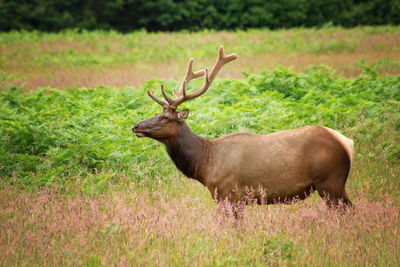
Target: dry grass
[{"x": 72, "y": 60}]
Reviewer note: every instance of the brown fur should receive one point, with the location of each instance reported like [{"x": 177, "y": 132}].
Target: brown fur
[{"x": 278, "y": 167}]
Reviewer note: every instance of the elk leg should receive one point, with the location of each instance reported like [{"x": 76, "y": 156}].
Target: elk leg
[
  {"x": 332, "y": 190},
  {"x": 346, "y": 199}
]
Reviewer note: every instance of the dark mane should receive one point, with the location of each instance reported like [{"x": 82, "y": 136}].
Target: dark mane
[{"x": 188, "y": 152}]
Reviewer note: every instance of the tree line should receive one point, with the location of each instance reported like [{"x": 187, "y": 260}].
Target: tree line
[{"x": 172, "y": 15}]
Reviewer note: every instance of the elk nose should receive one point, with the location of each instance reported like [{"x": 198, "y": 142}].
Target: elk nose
[{"x": 134, "y": 128}]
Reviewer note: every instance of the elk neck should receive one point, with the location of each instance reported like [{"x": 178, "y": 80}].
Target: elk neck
[{"x": 189, "y": 152}]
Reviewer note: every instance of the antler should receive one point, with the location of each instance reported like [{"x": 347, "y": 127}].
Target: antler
[
  {"x": 159, "y": 101},
  {"x": 181, "y": 95},
  {"x": 190, "y": 75}
]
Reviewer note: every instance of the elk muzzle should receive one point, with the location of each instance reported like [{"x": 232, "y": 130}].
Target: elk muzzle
[
  {"x": 136, "y": 131},
  {"x": 149, "y": 128}
]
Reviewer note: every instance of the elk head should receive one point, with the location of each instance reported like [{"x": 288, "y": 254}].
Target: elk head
[{"x": 167, "y": 124}]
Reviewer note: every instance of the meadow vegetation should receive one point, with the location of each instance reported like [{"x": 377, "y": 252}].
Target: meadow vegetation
[
  {"x": 73, "y": 59},
  {"x": 78, "y": 188}
]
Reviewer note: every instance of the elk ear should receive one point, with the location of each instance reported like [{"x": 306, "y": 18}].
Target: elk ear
[{"x": 182, "y": 115}]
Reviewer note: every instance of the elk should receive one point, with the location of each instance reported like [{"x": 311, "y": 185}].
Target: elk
[{"x": 287, "y": 165}]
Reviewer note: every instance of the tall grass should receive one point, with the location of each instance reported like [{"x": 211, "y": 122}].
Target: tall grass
[{"x": 177, "y": 224}]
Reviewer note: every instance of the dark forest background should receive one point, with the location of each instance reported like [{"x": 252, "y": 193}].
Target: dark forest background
[{"x": 172, "y": 15}]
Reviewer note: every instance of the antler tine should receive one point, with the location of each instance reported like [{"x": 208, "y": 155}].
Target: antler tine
[
  {"x": 190, "y": 75},
  {"x": 162, "y": 103},
  {"x": 221, "y": 61},
  {"x": 169, "y": 100}
]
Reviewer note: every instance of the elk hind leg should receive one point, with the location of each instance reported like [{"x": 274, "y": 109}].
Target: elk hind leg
[{"x": 332, "y": 190}]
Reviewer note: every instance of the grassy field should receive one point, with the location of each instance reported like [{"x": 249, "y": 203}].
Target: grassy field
[
  {"x": 71, "y": 59},
  {"x": 78, "y": 188}
]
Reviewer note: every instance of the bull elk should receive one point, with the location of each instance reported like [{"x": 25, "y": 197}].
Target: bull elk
[{"x": 286, "y": 165}]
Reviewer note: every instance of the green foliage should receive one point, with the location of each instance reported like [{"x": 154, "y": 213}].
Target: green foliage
[
  {"x": 49, "y": 136},
  {"x": 170, "y": 15},
  {"x": 275, "y": 247}
]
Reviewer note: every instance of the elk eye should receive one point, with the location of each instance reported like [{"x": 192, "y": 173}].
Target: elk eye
[{"x": 163, "y": 118}]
